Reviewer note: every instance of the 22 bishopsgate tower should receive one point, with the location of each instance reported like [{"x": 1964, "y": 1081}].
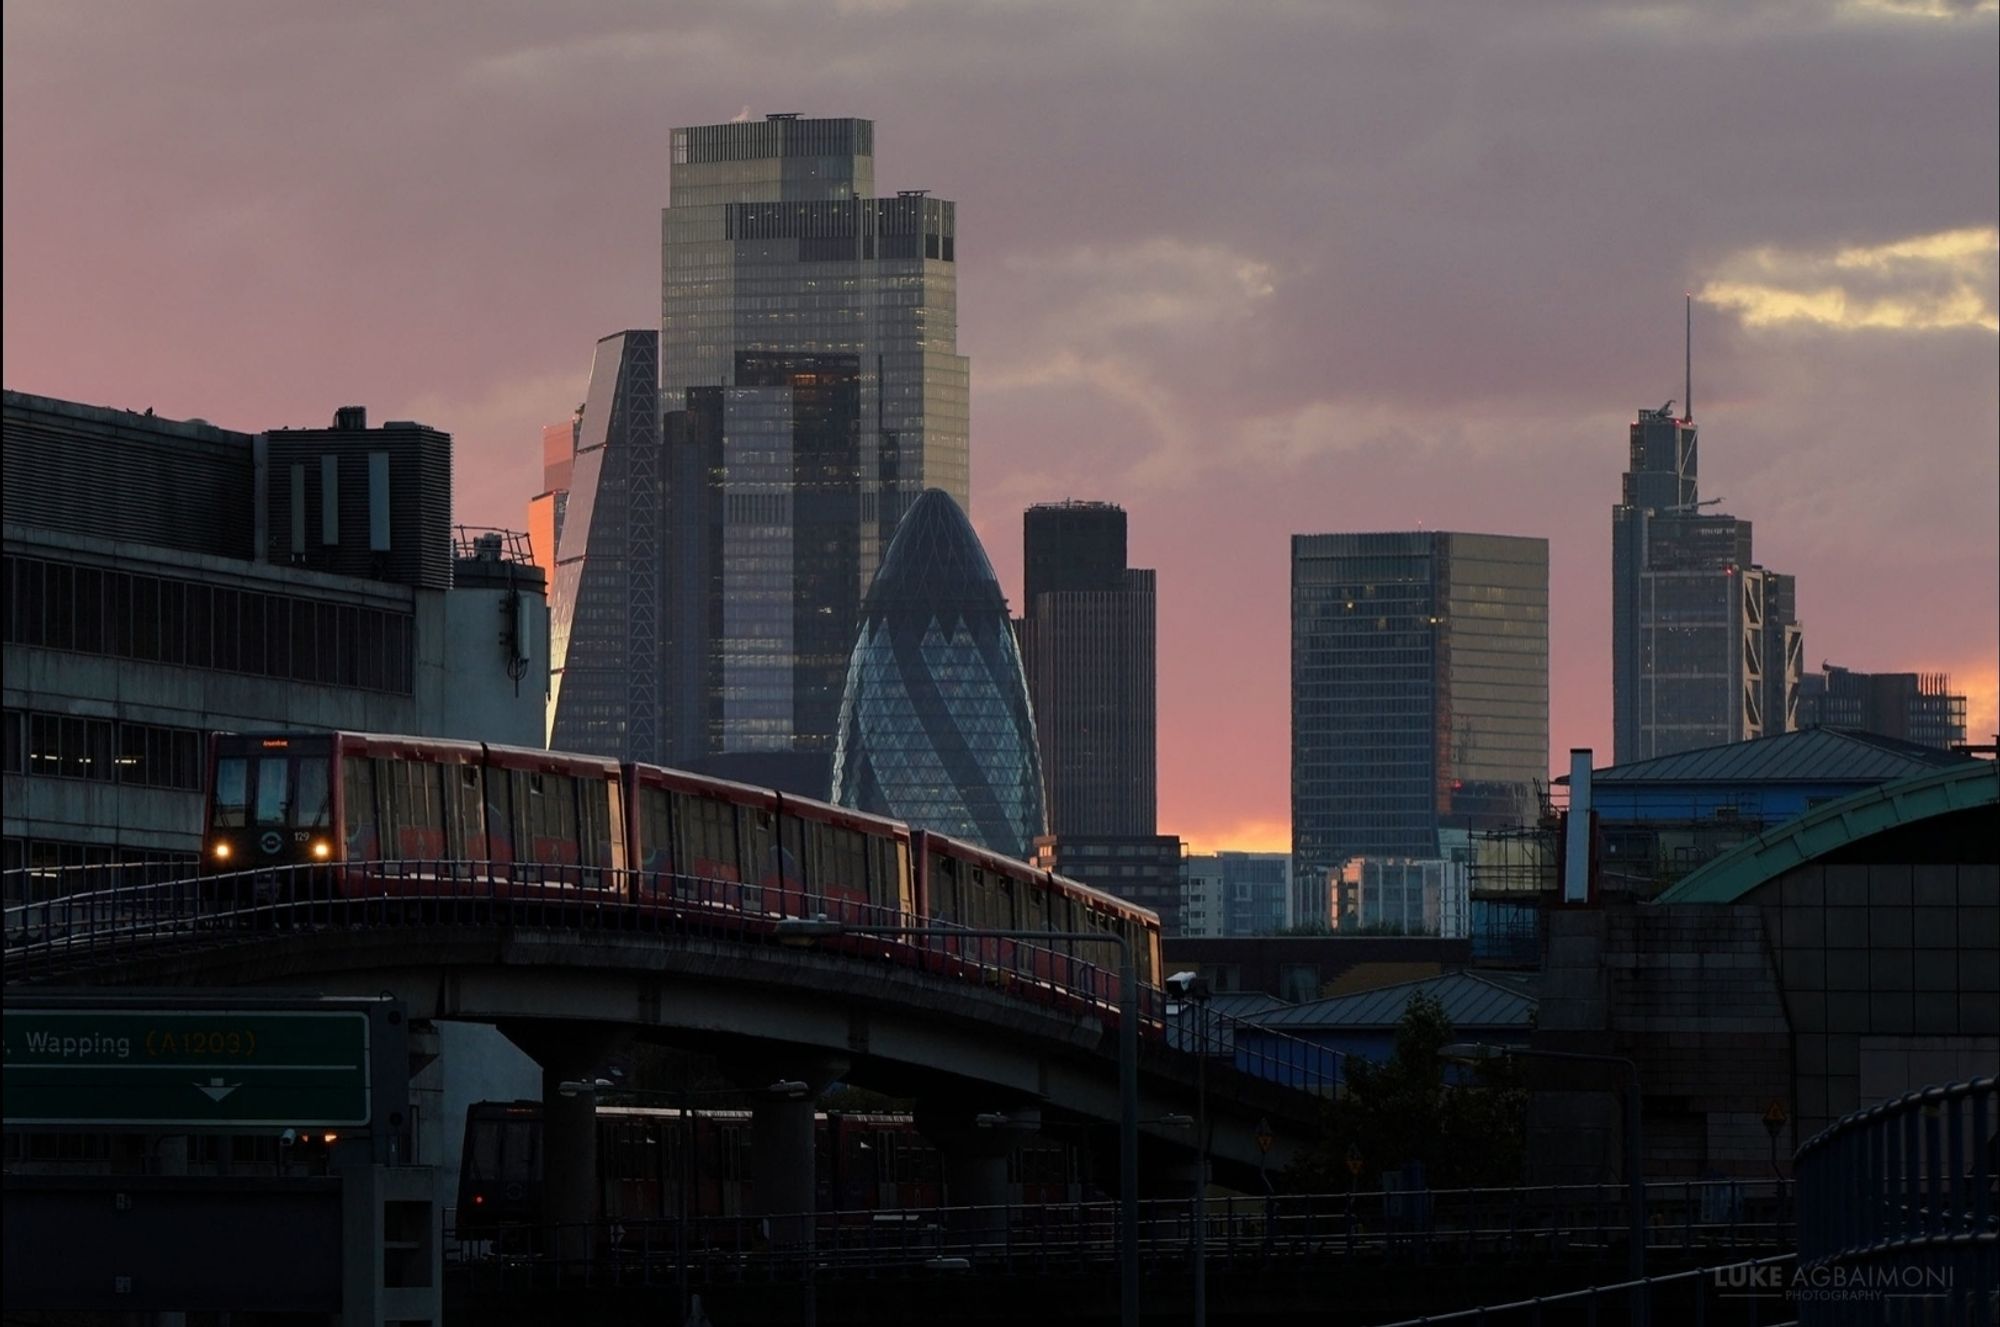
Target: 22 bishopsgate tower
[
  {"x": 809, "y": 388},
  {"x": 810, "y": 330}
]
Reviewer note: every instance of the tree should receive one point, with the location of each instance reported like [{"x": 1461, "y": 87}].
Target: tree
[{"x": 1468, "y": 1133}]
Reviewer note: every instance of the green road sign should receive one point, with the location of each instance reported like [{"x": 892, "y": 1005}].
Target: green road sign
[{"x": 186, "y": 1067}]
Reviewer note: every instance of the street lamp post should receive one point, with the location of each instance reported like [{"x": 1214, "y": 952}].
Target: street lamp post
[
  {"x": 1192, "y": 988},
  {"x": 1635, "y": 1161},
  {"x": 807, "y": 929}
]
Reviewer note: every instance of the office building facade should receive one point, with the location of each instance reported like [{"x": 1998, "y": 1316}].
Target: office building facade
[
  {"x": 1420, "y": 694},
  {"x": 1087, "y": 632},
  {"x": 548, "y": 508},
  {"x": 934, "y": 723},
  {"x": 1402, "y": 896},
  {"x": 1917, "y": 707},
  {"x": 1239, "y": 893},
  {"x": 166, "y": 579},
  {"x": 1706, "y": 645},
  {"x": 809, "y": 329}
]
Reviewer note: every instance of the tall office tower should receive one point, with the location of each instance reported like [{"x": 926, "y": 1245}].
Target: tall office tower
[
  {"x": 810, "y": 329},
  {"x": 1420, "y": 693},
  {"x": 1917, "y": 707},
  {"x": 1705, "y": 644},
  {"x": 934, "y": 725},
  {"x": 606, "y": 684},
  {"x": 1087, "y": 638},
  {"x": 547, "y": 508}
]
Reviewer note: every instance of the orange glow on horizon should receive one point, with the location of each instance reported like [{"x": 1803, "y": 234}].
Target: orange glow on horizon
[{"x": 1252, "y": 835}]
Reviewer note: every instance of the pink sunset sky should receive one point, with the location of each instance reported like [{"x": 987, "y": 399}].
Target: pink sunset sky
[{"x": 1247, "y": 269}]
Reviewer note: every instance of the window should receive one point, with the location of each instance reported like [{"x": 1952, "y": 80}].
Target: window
[
  {"x": 358, "y": 798},
  {"x": 274, "y": 787},
  {"x": 16, "y": 742},
  {"x": 314, "y": 810},
  {"x": 229, "y": 792}
]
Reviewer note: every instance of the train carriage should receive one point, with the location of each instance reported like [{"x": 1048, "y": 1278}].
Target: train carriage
[
  {"x": 385, "y": 815},
  {"x": 294, "y": 816}
]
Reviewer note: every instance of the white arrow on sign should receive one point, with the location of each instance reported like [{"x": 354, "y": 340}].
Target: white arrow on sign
[{"x": 215, "y": 1089}]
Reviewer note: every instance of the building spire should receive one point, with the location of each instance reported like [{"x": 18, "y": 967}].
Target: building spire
[{"x": 1687, "y": 383}]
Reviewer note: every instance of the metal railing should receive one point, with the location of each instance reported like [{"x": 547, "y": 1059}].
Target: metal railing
[
  {"x": 1718, "y": 1221},
  {"x": 67, "y": 935},
  {"x": 1898, "y": 1211},
  {"x": 1740, "y": 1294}
]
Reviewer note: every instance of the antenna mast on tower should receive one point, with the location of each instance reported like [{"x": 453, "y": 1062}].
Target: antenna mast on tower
[{"x": 1687, "y": 383}]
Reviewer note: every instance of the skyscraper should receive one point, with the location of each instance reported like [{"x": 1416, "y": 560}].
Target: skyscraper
[
  {"x": 547, "y": 508},
  {"x": 606, "y": 684},
  {"x": 809, "y": 329},
  {"x": 934, "y": 723},
  {"x": 1087, "y": 639},
  {"x": 1420, "y": 693},
  {"x": 1917, "y": 707},
  {"x": 1705, "y": 644}
]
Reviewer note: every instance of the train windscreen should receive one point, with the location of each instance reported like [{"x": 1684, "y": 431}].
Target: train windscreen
[{"x": 270, "y": 802}]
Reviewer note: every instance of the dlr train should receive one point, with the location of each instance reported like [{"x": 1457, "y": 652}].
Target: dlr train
[
  {"x": 386, "y": 816},
  {"x": 863, "y": 1162}
]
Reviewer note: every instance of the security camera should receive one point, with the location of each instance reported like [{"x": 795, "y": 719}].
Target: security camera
[
  {"x": 1188, "y": 986},
  {"x": 288, "y": 1138}
]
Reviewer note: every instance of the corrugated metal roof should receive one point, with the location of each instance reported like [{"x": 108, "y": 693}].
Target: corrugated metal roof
[
  {"x": 1469, "y": 1000},
  {"x": 1810, "y": 755},
  {"x": 1835, "y": 825}
]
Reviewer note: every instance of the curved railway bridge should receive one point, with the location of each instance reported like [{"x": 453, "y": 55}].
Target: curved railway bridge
[{"x": 975, "y": 1029}]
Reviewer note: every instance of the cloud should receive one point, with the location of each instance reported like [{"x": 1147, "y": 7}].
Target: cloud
[{"x": 1921, "y": 283}]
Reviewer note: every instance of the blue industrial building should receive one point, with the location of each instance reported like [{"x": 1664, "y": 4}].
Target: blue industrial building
[{"x": 1662, "y": 818}]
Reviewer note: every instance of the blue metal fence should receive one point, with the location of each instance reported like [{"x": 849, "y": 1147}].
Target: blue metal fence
[{"x": 1898, "y": 1218}]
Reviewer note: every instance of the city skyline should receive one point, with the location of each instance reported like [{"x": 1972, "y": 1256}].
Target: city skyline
[{"x": 1498, "y": 302}]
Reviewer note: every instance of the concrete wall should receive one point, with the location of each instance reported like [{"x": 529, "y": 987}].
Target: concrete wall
[
  {"x": 1891, "y": 976},
  {"x": 487, "y": 694}
]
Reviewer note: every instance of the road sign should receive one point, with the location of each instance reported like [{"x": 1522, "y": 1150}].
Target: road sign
[
  {"x": 1264, "y": 1137},
  {"x": 189, "y": 1068},
  {"x": 1775, "y": 1117},
  {"x": 1354, "y": 1159}
]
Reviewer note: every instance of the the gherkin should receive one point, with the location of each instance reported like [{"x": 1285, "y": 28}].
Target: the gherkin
[{"x": 935, "y": 727}]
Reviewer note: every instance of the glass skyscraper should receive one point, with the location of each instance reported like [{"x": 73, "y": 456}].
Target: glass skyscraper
[
  {"x": 606, "y": 682},
  {"x": 809, "y": 331},
  {"x": 1420, "y": 692},
  {"x": 1705, "y": 644},
  {"x": 934, "y": 723}
]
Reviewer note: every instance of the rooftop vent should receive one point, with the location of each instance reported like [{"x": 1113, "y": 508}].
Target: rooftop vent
[{"x": 351, "y": 417}]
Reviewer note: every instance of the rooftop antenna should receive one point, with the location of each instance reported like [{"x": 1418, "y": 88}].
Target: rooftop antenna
[{"x": 1687, "y": 384}]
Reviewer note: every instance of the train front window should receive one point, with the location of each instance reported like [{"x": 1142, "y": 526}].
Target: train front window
[
  {"x": 274, "y": 787},
  {"x": 229, "y": 792},
  {"x": 311, "y": 805}
]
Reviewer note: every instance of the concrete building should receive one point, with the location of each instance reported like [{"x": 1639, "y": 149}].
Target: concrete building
[
  {"x": 1826, "y": 965},
  {"x": 166, "y": 579},
  {"x": 1087, "y": 638},
  {"x": 1420, "y": 691},
  {"x": 1915, "y": 707},
  {"x": 934, "y": 722},
  {"x": 1237, "y": 893},
  {"x": 1300, "y": 968},
  {"x": 810, "y": 330},
  {"x": 1705, "y": 643},
  {"x": 1402, "y": 896}
]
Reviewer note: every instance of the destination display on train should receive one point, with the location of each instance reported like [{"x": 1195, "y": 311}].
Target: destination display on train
[{"x": 193, "y": 1068}]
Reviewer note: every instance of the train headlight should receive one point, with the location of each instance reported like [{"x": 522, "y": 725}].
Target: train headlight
[
  {"x": 322, "y": 850},
  {"x": 221, "y": 851}
]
